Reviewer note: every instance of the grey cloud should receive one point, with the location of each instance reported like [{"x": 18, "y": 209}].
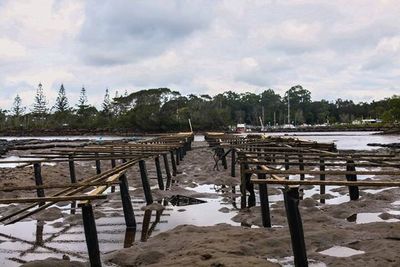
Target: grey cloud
[{"x": 117, "y": 32}]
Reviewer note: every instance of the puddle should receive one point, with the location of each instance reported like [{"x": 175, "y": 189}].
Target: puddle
[
  {"x": 13, "y": 158},
  {"x": 341, "y": 252},
  {"x": 179, "y": 200},
  {"x": 289, "y": 262},
  {"x": 370, "y": 217}
]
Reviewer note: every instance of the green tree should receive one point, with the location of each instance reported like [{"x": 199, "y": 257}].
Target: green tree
[{"x": 61, "y": 104}]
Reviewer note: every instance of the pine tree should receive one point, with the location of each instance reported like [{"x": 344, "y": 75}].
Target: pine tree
[
  {"x": 17, "y": 108},
  {"x": 83, "y": 101},
  {"x": 107, "y": 103},
  {"x": 61, "y": 104},
  {"x": 40, "y": 103}
]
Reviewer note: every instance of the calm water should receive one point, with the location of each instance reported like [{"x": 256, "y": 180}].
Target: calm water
[{"x": 345, "y": 140}]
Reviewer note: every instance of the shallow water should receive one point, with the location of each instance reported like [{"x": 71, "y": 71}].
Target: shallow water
[
  {"x": 341, "y": 252},
  {"x": 346, "y": 140}
]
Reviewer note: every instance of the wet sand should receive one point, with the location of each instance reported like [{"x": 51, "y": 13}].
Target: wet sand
[{"x": 325, "y": 225}]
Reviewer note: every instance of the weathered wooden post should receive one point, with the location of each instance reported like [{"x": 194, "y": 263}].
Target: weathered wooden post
[
  {"x": 113, "y": 165},
  {"x": 145, "y": 225},
  {"x": 178, "y": 157},
  {"x": 322, "y": 178},
  {"x": 181, "y": 153},
  {"x": 174, "y": 169},
  {"x": 129, "y": 214},
  {"x": 145, "y": 182},
  {"x": 287, "y": 165},
  {"x": 159, "y": 173},
  {"x": 243, "y": 186},
  {"x": 72, "y": 173},
  {"x": 264, "y": 202},
  {"x": 89, "y": 225},
  {"x": 98, "y": 164},
  {"x": 130, "y": 234},
  {"x": 38, "y": 180},
  {"x": 223, "y": 159},
  {"x": 301, "y": 166},
  {"x": 167, "y": 170},
  {"x": 353, "y": 190},
  {"x": 233, "y": 162},
  {"x": 291, "y": 197}
]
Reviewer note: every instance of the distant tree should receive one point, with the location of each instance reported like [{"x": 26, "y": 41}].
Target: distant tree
[
  {"x": 107, "y": 106},
  {"x": 40, "y": 103},
  {"x": 83, "y": 100},
  {"x": 61, "y": 104},
  {"x": 17, "y": 108}
]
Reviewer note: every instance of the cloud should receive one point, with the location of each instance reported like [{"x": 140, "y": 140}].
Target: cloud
[{"x": 335, "y": 49}]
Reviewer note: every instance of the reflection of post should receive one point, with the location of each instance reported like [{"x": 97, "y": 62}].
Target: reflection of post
[
  {"x": 39, "y": 233},
  {"x": 145, "y": 225},
  {"x": 291, "y": 197},
  {"x": 130, "y": 234}
]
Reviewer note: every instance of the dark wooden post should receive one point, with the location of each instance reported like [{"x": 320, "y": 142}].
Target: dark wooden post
[
  {"x": 178, "y": 157},
  {"x": 174, "y": 169},
  {"x": 301, "y": 166},
  {"x": 98, "y": 164},
  {"x": 145, "y": 225},
  {"x": 233, "y": 162},
  {"x": 89, "y": 225},
  {"x": 159, "y": 173},
  {"x": 353, "y": 190},
  {"x": 130, "y": 234},
  {"x": 223, "y": 159},
  {"x": 145, "y": 182},
  {"x": 38, "y": 180},
  {"x": 72, "y": 173},
  {"x": 263, "y": 189},
  {"x": 126, "y": 202},
  {"x": 322, "y": 178},
  {"x": 181, "y": 153},
  {"x": 243, "y": 186},
  {"x": 167, "y": 170},
  {"x": 291, "y": 197},
  {"x": 287, "y": 165},
  {"x": 113, "y": 165}
]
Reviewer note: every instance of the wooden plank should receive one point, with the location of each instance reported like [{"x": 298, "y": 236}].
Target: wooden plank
[
  {"x": 332, "y": 183},
  {"x": 327, "y": 172},
  {"x": 51, "y": 199}
]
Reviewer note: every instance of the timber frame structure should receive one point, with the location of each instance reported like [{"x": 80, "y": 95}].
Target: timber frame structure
[
  {"x": 123, "y": 155},
  {"x": 287, "y": 161}
]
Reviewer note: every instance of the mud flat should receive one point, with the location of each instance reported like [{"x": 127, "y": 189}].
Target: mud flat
[{"x": 341, "y": 233}]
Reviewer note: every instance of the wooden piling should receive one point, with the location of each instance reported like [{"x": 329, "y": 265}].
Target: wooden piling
[
  {"x": 126, "y": 202},
  {"x": 89, "y": 225},
  {"x": 167, "y": 171},
  {"x": 353, "y": 190},
  {"x": 264, "y": 202},
  {"x": 322, "y": 178},
  {"x": 174, "y": 168},
  {"x": 159, "y": 173},
  {"x": 233, "y": 162},
  {"x": 98, "y": 164},
  {"x": 145, "y": 182},
  {"x": 38, "y": 180},
  {"x": 72, "y": 173},
  {"x": 291, "y": 198}
]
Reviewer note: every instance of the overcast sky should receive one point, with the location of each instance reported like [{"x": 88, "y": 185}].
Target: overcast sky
[{"x": 346, "y": 49}]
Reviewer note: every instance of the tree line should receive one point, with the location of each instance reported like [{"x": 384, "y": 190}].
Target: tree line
[{"x": 163, "y": 109}]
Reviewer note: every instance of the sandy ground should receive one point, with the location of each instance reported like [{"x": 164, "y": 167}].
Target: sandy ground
[{"x": 325, "y": 225}]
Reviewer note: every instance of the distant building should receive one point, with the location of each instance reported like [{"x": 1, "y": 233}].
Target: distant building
[{"x": 241, "y": 128}]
